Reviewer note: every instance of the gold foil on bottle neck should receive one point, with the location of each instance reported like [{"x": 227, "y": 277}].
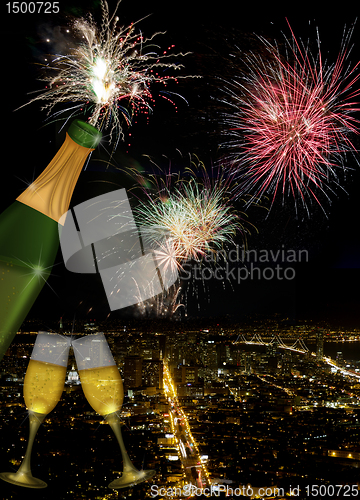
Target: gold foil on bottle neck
[{"x": 51, "y": 192}]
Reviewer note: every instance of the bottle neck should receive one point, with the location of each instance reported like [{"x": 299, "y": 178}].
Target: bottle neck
[{"x": 51, "y": 192}]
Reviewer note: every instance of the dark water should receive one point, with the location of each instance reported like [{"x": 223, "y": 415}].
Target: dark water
[{"x": 350, "y": 350}]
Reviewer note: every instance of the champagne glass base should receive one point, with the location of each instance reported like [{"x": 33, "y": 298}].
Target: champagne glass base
[
  {"x": 132, "y": 478},
  {"x": 22, "y": 479}
]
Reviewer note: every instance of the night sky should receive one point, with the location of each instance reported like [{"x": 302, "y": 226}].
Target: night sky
[{"x": 326, "y": 286}]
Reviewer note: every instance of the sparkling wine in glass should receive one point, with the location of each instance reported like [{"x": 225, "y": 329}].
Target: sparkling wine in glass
[
  {"x": 103, "y": 388},
  {"x": 43, "y": 387}
]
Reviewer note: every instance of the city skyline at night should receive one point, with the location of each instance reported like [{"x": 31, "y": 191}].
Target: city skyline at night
[
  {"x": 240, "y": 379},
  {"x": 218, "y": 390}
]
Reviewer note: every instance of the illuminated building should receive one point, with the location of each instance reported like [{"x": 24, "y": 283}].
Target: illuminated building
[
  {"x": 209, "y": 360},
  {"x": 132, "y": 371},
  {"x": 340, "y": 358},
  {"x": 189, "y": 374},
  {"x": 319, "y": 344},
  {"x": 191, "y": 391},
  {"x": 73, "y": 377},
  {"x": 223, "y": 354},
  {"x": 152, "y": 373}
]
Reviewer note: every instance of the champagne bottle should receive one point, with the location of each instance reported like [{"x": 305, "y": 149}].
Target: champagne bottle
[{"x": 29, "y": 237}]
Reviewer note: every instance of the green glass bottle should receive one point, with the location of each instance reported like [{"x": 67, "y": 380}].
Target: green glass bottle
[{"x": 29, "y": 237}]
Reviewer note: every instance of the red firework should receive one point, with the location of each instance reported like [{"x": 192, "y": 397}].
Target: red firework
[{"x": 290, "y": 121}]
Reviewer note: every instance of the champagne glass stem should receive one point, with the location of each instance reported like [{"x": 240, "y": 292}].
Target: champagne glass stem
[
  {"x": 35, "y": 420},
  {"x": 114, "y": 421},
  {"x": 23, "y": 476}
]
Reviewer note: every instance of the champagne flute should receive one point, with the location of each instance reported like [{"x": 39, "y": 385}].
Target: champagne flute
[
  {"x": 103, "y": 388},
  {"x": 43, "y": 386}
]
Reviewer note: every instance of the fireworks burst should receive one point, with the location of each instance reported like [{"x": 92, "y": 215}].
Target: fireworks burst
[
  {"x": 189, "y": 218},
  {"x": 166, "y": 305},
  {"x": 290, "y": 121},
  {"x": 109, "y": 73}
]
